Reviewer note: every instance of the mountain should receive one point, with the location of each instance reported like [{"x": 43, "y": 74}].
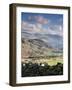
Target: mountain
[
  {"x": 37, "y": 48},
  {"x": 54, "y": 41},
  {"x": 38, "y": 42}
]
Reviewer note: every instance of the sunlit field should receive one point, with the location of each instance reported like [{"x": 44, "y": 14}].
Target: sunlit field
[{"x": 50, "y": 61}]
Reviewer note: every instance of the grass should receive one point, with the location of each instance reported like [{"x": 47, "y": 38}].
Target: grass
[
  {"x": 54, "y": 62},
  {"x": 50, "y": 61}
]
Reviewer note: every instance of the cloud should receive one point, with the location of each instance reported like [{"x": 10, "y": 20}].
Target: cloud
[
  {"x": 33, "y": 28},
  {"x": 39, "y": 19},
  {"x": 56, "y": 29},
  {"x": 37, "y": 28},
  {"x": 24, "y": 24}
]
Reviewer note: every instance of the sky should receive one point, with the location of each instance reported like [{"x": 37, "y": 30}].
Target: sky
[{"x": 42, "y": 23}]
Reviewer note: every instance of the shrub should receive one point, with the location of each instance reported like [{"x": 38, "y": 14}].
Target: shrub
[{"x": 30, "y": 69}]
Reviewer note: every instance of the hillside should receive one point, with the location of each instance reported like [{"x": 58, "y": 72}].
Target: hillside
[{"x": 37, "y": 48}]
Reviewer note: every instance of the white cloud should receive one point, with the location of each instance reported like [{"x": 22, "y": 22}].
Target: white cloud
[
  {"x": 56, "y": 29},
  {"x": 39, "y": 19},
  {"x": 31, "y": 27},
  {"x": 37, "y": 28}
]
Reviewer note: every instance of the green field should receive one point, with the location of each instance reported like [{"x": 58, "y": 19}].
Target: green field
[
  {"x": 54, "y": 62},
  {"x": 50, "y": 61}
]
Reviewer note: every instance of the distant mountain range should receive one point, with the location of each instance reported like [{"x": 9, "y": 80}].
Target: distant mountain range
[{"x": 47, "y": 40}]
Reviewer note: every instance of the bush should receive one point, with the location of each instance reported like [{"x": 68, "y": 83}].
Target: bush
[{"x": 30, "y": 69}]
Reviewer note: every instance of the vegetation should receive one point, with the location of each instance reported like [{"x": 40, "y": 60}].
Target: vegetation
[
  {"x": 50, "y": 60},
  {"x": 42, "y": 69}
]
